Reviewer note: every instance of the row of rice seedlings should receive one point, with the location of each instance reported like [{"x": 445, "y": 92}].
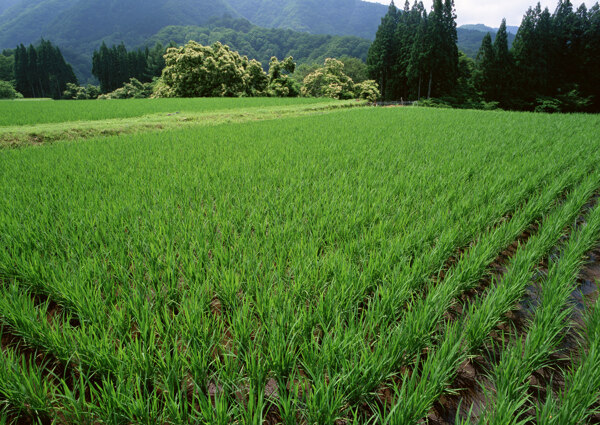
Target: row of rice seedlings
[
  {"x": 510, "y": 377},
  {"x": 117, "y": 381},
  {"x": 419, "y": 391},
  {"x": 150, "y": 345},
  {"x": 350, "y": 347},
  {"x": 577, "y": 402},
  {"x": 24, "y": 387},
  {"x": 155, "y": 254},
  {"x": 401, "y": 344},
  {"x": 353, "y": 383},
  {"x": 363, "y": 366}
]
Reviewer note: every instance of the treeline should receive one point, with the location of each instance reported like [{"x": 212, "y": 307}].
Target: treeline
[
  {"x": 114, "y": 66},
  {"x": 415, "y": 53},
  {"x": 552, "y": 66},
  {"x": 41, "y": 71}
]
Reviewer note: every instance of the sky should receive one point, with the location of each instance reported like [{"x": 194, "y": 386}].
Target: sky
[{"x": 491, "y": 12}]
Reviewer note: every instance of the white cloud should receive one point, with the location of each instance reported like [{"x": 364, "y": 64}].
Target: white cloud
[{"x": 491, "y": 12}]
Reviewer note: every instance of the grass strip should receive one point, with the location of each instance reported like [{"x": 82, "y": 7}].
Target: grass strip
[{"x": 28, "y": 135}]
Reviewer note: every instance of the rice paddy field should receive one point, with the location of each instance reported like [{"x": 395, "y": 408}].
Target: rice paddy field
[{"x": 351, "y": 266}]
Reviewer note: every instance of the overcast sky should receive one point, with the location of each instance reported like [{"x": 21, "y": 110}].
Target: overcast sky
[{"x": 491, "y": 12}]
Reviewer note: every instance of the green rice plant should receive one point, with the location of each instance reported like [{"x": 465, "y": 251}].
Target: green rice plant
[
  {"x": 214, "y": 274},
  {"x": 510, "y": 376},
  {"x": 25, "y": 388},
  {"x": 575, "y": 403},
  {"x": 418, "y": 393}
]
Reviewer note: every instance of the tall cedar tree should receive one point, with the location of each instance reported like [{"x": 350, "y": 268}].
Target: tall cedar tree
[
  {"x": 114, "y": 66},
  {"x": 502, "y": 68},
  {"x": 415, "y": 53},
  {"x": 484, "y": 80},
  {"x": 42, "y": 71}
]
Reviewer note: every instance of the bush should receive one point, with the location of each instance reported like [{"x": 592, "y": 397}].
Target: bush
[
  {"x": 134, "y": 89},
  {"x": 280, "y": 84},
  {"x": 7, "y": 91},
  {"x": 434, "y": 103},
  {"x": 76, "y": 92}
]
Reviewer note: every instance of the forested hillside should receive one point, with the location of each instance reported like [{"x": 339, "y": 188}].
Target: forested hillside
[
  {"x": 263, "y": 43},
  {"x": 341, "y": 17}
]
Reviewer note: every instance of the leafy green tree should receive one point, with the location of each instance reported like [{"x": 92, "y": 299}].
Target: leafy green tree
[
  {"x": 330, "y": 81},
  {"x": 280, "y": 84},
  {"x": 367, "y": 90},
  {"x": 7, "y": 64},
  {"x": 355, "y": 68},
  {"x": 195, "y": 70},
  {"x": 7, "y": 91}
]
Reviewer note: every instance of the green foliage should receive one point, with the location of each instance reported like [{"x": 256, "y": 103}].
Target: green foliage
[
  {"x": 367, "y": 90},
  {"x": 41, "y": 71},
  {"x": 414, "y": 53},
  {"x": 180, "y": 276},
  {"x": 114, "y": 66},
  {"x": 329, "y": 81},
  {"x": 7, "y": 90},
  {"x": 354, "y": 68},
  {"x": 7, "y": 64},
  {"x": 76, "y": 92},
  {"x": 134, "y": 89},
  {"x": 195, "y": 70},
  {"x": 280, "y": 83},
  {"x": 263, "y": 43}
]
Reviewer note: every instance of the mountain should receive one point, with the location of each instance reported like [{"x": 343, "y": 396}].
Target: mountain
[
  {"x": 7, "y": 4},
  {"x": 471, "y": 36},
  {"x": 340, "y": 17}
]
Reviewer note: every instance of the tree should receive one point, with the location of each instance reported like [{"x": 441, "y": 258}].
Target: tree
[
  {"x": 331, "y": 81},
  {"x": 7, "y": 64},
  {"x": 7, "y": 91},
  {"x": 42, "y": 71},
  {"x": 502, "y": 65},
  {"x": 382, "y": 53},
  {"x": 486, "y": 59},
  {"x": 115, "y": 66},
  {"x": 195, "y": 70},
  {"x": 280, "y": 84}
]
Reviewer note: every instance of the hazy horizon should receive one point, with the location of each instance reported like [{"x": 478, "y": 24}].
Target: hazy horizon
[{"x": 490, "y": 12}]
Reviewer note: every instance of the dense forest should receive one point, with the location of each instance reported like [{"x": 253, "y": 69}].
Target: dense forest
[
  {"x": 41, "y": 71},
  {"x": 553, "y": 64}
]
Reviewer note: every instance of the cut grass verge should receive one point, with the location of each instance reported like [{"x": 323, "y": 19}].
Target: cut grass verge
[{"x": 29, "y": 135}]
